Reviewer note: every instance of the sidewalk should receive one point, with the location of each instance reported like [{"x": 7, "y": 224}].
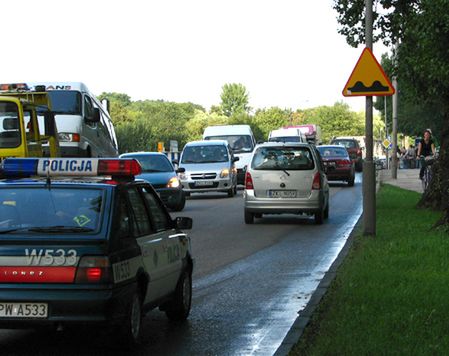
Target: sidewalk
[{"x": 406, "y": 179}]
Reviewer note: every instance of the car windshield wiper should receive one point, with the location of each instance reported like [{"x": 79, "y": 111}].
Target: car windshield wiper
[
  {"x": 60, "y": 228},
  {"x": 152, "y": 170}
]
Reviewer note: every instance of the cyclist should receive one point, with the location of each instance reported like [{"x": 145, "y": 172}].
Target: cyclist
[{"x": 426, "y": 147}]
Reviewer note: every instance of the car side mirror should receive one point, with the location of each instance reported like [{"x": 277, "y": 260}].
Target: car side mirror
[
  {"x": 180, "y": 170},
  {"x": 235, "y": 159},
  {"x": 183, "y": 223}
]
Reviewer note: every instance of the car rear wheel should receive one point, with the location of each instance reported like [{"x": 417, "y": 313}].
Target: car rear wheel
[
  {"x": 130, "y": 332},
  {"x": 351, "y": 181},
  {"x": 179, "y": 307},
  {"x": 319, "y": 217},
  {"x": 326, "y": 211},
  {"x": 249, "y": 217}
]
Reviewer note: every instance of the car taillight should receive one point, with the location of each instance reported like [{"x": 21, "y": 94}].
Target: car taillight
[
  {"x": 344, "y": 162},
  {"x": 93, "y": 269},
  {"x": 316, "y": 181},
  {"x": 248, "y": 181}
]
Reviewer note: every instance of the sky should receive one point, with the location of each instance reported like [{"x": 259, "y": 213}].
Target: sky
[{"x": 287, "y": 53}]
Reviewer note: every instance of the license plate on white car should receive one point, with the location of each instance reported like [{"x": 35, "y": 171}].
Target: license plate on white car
[
  {"x": 282, "y": 193},
  {"x": 23, "y": 310},
  {"x": 204, "y": 183}
]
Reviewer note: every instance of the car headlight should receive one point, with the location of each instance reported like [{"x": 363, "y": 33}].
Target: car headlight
[
  {"x": 173, "y": 182},
  {"x": 182, "y": 176},
  {"x": 224, "y": 173}
]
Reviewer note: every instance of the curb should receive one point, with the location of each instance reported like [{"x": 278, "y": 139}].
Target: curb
[{"x": 304, "y": 316}]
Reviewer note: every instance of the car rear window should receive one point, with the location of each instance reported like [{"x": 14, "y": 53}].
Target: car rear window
[
  {"x": 345, "y": 143},
  {"x": 283, "y": 158},
  {"x": 55, "y": 210},
  {"x": 333, "y": 151}
]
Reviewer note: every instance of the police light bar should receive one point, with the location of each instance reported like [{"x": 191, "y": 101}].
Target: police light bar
[{"x": 73, "y": 167}]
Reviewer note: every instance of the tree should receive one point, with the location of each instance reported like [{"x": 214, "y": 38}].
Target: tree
[
  {"x": 234, "y": 99},
  {"x": 421, "y": 28},
  {"x": 270, "y": 119}
]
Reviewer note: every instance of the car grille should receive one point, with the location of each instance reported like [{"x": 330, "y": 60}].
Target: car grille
[
  {"x": 193, "y": 186},
  {"x": 197, "y": 176}
]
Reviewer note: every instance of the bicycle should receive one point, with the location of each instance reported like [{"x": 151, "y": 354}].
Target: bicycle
[{"x": 427, "y": 176}]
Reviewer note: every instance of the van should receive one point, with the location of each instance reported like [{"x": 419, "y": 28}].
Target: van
[
  {"x": 287, "y": 135},
  {"x": 84, "y": 126},
  {"x": 240, "y": 139}
]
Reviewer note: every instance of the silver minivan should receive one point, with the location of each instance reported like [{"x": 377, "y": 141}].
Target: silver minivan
[
  {"x": 209, "y": 167},
  {"x": 286, "y": 178}
]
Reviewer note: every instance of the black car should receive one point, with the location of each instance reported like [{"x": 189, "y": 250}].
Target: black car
[{"x": 87, "y": 244}]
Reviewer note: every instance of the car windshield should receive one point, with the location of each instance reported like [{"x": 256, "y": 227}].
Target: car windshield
[
  {"x": 205, "y": 154},
  {"x": 283, "y": 158},
  {"x": 50, "y": 210},
  {"x": 332, "y": 151},
  {"x": 66, "y": 102},
  {"x": 153, "y": 163},
  {"x": 345, "y": 143},
  {"x": 9, "y": 125},
  {"x": 285, "y": 139},
  {"x": 238, "y": 143}
]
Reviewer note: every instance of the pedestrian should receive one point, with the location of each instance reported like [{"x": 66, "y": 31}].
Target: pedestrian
[
  {"x": 426, "y": 147},
  {"x": 410, "y": 157}
]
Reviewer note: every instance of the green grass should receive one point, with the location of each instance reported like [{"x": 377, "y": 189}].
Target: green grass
[{"x": 391, "y": 294}]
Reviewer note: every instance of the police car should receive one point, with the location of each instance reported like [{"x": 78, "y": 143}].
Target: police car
[{"x": 81, "y": 241}]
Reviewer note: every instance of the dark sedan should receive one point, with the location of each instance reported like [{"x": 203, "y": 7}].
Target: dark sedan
[
  {"x": 160, "y": 173},
  {"x": 337, "y": 163}
]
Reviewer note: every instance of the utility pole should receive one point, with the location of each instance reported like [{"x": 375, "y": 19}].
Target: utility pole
[
  {"x": 386, "y": 133},
  {"x": 369, "y": 178},
  {"x": 394, "y": 155}
]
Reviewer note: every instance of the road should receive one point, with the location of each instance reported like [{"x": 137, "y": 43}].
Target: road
[{"x": 250, "y": 281}]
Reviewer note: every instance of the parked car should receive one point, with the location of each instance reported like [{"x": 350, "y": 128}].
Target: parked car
[
  {"x": 160, "y": 173},
  {"x": 208, "y": 167},
  {"x": 337, "y": 163},
  {"x": 286, "y": 178},
  {"x": 354, "y": 150}
]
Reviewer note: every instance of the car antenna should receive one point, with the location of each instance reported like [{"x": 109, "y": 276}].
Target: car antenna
[{"x": 48, "y": 180}]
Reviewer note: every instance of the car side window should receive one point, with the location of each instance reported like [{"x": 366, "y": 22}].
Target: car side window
[
  {"x": 159, "y": 218},
  {"x": 141, "y": 225},
  {"x": 122, "y": 221},
  {"x": 88, "y": 107}
]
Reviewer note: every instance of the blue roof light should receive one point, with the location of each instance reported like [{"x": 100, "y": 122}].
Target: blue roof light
[{"x": 20, "y": 167}]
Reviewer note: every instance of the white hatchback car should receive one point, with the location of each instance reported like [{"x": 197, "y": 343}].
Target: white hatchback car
[{"x": 286, "y": 178}]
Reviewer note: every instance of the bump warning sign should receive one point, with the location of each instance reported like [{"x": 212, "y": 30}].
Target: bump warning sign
[{"x": 368, "y": 78}]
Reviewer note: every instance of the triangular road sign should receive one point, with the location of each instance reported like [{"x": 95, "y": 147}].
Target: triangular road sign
[{"x": 368, "y": 78}]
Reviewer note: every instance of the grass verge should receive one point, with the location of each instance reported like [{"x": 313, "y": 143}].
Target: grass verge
[{"x": 391, "y": 294}]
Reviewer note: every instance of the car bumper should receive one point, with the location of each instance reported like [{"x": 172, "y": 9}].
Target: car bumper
[
  {"x": 342, "y": 174},
  {"x": 69, "y": 306},
  {"x": 217, "y": 185},
  {"x": 311, "y": 204}
]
